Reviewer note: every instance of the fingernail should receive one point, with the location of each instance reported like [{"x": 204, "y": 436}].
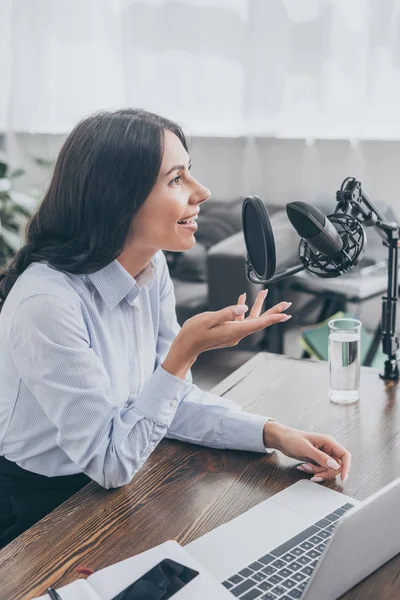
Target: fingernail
[
  {"x": 265, "y": 292},
  {"x": 285, "y": 318},
  {"x": 316, "y": 479},
  {"x": 306, "y": 468},
  {"x": 287, "y": 304},
  {"x": 240, "y": 310},
  {"x": 346, "y": 478},
  {"x": 244, "y": 297},
  {"x": 332, "y": 464}
]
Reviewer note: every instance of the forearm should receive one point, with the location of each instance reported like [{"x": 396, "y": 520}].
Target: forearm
[{"x": 206, "y": 419}]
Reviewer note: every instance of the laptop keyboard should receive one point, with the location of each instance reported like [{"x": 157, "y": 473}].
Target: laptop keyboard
[{"x": 284, "y": 572}]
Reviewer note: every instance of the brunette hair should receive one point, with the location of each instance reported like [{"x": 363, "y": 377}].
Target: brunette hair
[{"x": 104, "y": 172}]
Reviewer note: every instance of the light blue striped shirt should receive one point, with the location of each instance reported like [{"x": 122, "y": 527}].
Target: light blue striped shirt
[{"x": 82, "y": 388}]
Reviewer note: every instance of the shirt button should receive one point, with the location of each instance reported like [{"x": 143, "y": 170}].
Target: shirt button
[{"x": 173, "y": 403}]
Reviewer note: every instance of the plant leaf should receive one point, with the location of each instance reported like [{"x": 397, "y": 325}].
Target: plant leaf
[
  {"x": 11, "y": 238},
  {"x": 43, "y": 162},
  {"x": 18, "y": 208},
  {"x": 27, "y": 202},
  {"x": 17, "y": 173}
]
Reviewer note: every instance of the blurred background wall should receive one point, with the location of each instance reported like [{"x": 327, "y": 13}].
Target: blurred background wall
[
  {"x": 281, "y": 97},
  {"x": 279, "y": 170}
]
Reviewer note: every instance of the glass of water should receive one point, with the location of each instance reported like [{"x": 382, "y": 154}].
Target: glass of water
[{"x": 344, "y": 360}]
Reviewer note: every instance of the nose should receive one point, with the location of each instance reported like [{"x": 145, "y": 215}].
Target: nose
[{"x": 200, "y": 194}]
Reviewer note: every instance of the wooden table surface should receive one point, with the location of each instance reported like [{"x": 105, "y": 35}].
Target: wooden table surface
[{"x": 183, "y": 491}]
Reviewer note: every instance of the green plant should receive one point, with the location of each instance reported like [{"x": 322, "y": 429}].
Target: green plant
[{"x": 15, "y": 210}]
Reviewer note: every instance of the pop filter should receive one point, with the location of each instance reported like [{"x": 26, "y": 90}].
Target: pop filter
[
  {"x": 258, "y": 237},
  {"x": 260, "y": 245}
]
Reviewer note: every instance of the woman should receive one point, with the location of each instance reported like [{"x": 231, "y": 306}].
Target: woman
[{"x": 94, "y": 370}]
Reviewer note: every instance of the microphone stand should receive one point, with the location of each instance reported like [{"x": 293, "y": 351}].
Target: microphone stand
[
  {"x": 275, "y": 278},
  {"x": 351, "y": 197}
]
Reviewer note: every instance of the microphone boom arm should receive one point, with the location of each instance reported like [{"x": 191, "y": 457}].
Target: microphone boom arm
[
  {"x": 351, "y": 198},
  {"x": 286, "y": 273}
]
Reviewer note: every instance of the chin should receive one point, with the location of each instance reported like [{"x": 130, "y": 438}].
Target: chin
[
  {"x": 182, "y": 246},
  {"x": 191, "y": 243}
]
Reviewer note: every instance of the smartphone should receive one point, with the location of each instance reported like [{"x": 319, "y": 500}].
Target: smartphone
[{"x": 160, "y": 583}]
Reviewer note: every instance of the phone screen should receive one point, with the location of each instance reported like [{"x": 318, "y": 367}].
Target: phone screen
[{"x": 160, "y": 583}]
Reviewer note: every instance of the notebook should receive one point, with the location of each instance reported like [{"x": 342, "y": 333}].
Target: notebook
[{"x": 110, "y": 581}]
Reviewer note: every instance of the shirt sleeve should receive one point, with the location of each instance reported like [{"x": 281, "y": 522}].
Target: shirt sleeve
[
  {"x": 51, "y": 349},
  {"x": 204, "y": 418}
]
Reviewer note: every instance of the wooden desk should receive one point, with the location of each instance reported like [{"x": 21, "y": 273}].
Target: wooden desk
[{"x": 184, "y": 491}]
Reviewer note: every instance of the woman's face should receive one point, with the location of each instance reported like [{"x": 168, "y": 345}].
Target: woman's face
[{"x": 166, "y": 220}]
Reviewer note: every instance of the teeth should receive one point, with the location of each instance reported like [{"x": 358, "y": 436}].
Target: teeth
[{"x": 186, "y": 221}]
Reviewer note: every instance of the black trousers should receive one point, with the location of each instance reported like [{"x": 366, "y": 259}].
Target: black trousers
[{"x": 26, "y": 497}]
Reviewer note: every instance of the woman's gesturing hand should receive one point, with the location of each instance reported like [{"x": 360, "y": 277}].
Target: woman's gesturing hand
[
  {"x": 226, "y": 327},
  {"x": 322, "y": 455},
  {"x": 220, "y": 329}
]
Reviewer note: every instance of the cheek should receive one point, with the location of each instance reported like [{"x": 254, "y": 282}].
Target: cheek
[
  {"x": 167, "y": 210},
  {"x": 159, "y": 219}
]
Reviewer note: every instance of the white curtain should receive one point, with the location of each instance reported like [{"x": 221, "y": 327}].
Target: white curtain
[{"x": 280, "y": 68}]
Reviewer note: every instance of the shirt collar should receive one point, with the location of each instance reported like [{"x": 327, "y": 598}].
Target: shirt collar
[{"x": 114, "y": 283}]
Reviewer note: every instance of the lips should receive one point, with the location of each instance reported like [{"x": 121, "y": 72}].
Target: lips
[
  {"x": 188, "y": 225},
  {"x": 189, "y": 219},
  {"x": 185, "y": 221}
]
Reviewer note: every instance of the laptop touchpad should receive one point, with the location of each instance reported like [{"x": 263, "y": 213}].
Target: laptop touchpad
[{"x": 236, "y": 544}]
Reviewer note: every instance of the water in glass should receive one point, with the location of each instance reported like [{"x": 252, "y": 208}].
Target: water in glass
[{"x": 344, "y": 366}]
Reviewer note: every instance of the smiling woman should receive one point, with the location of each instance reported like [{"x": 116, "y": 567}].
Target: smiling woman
[{"x": 94, "y": 368}]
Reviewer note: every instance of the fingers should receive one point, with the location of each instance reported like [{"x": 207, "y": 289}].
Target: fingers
[
  {"x": 319, "y": 473},
  {"x": 338, "y": 451},
  {"x": 241, "y": 301},
  {"x": 257, "y": 306},
  {"x": 331, "y": 458},
  {"x": 346, "y": 465},
  {"x": 278, "y": 308},
  {"x": 250, "y": 326},
  {"x": 253, "y": 324},
  {"x": 324, "y": 476},
  {"x": 322, "y": 459},
  {"x": 230, "y": 313},
  {"x": 274, "y": 316}
]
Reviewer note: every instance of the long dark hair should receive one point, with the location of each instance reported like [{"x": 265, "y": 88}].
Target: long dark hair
[{"x": 104, "y": 172}]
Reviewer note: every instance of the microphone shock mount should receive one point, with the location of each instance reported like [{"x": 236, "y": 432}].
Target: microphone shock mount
[{"x": 353, "y": 236}]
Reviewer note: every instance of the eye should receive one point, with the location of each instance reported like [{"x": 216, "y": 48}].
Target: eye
[{"x": 175, "y": 181}]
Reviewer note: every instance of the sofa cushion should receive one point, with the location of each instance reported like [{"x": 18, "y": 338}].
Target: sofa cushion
[{"x": 189, "y": 265}]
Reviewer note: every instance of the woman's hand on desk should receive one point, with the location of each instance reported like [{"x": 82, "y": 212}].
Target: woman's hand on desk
[
  {"x": 220, "y": 329},
  {"x": 323, "y": 456}
]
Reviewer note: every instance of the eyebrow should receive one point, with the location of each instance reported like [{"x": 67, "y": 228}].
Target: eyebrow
[{"x": 177, "y": 168}]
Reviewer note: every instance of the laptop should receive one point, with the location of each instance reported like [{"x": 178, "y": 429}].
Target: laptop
[{"x": 301, "y": 542}]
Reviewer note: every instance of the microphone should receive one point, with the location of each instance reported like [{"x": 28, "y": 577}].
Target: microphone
[
  {"x": 331, "y": 245},
  {"x": 312, "y": 225}
]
